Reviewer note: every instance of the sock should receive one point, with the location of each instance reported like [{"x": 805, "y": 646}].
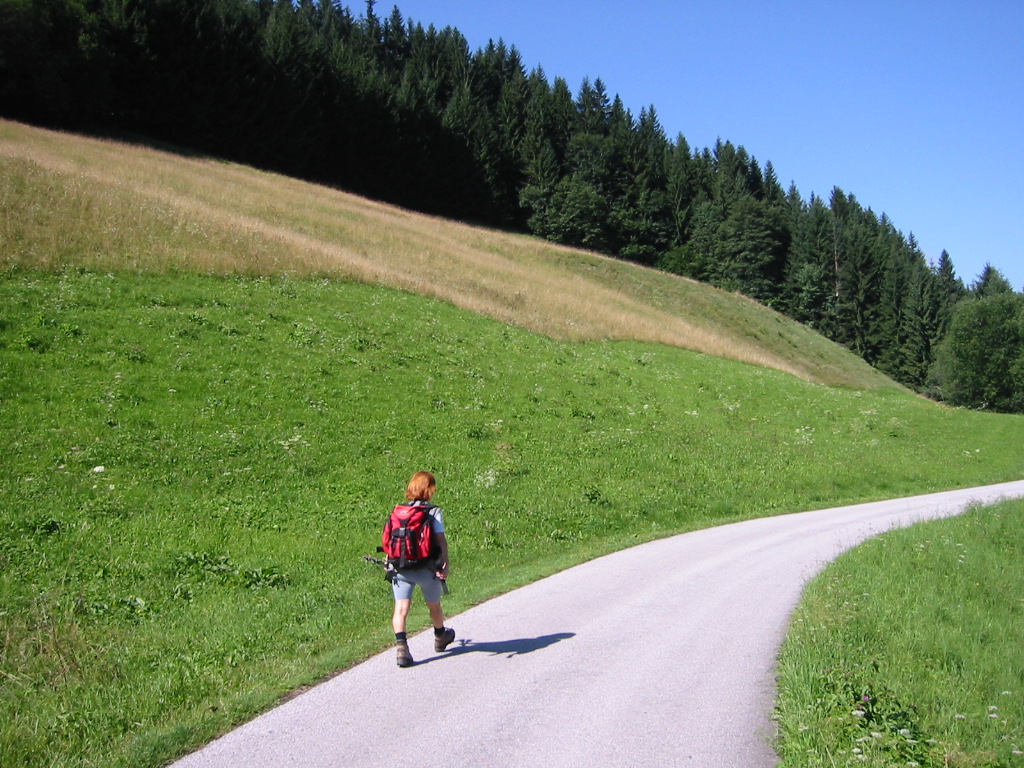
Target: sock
[
  {"x": 439, "y": 631},
  {"x": 400, "y": 637}
]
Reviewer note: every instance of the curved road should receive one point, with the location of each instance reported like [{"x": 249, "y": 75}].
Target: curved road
[{"x": 660, "y": 655}]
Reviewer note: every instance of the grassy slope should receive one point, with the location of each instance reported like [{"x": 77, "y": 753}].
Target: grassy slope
[
  {"x": 74, "y": 201},
  {"x": 251, "y": 430}
]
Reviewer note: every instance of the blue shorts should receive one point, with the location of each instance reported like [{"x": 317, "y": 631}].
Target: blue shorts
[{"x": 405, "y": 583}]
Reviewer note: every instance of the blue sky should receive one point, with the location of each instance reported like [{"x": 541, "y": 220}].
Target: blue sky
[{"x": 915, "y": 107}]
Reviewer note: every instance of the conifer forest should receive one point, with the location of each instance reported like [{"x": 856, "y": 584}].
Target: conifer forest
[{"x": 405, "y": 113}]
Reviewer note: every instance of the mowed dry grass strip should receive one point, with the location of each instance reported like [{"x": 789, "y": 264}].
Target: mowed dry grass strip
[{"x": 118, "y": 206}]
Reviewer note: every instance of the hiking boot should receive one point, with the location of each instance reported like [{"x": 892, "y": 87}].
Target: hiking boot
[
  {"x": 443, "y": 640},
  {"x": 404, "y": 657}
]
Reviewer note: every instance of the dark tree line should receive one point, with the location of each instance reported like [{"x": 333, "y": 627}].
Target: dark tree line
[{"x": 385, "y": 107}]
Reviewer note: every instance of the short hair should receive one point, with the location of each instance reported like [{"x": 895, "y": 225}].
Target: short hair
[{"x": 421, "y": 487}]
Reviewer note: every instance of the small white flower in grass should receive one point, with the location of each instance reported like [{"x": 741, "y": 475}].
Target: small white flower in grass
[{"x": 99, "y": 470}]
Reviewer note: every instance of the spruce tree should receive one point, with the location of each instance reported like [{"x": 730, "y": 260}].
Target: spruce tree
[
  {"x": 991, "y": 282},
  {"x": 950, "y": 290}
]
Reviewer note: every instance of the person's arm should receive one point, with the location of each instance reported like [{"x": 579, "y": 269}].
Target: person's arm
[{"x": 443, "y": 565}]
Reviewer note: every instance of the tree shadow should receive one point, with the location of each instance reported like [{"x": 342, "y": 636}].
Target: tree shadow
[{"x": 506, "y": 648}]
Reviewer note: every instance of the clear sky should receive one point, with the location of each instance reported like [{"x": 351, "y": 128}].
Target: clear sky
[{"x": 916, "y": 107}]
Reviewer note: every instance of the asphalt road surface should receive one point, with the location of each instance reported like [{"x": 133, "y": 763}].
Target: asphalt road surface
[{"x": 661, "y": 655}]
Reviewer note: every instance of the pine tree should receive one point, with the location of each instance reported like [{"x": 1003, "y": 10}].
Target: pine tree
[
  {"x": 395, "y": 45},
  {"x": 921, "y": 309},
  {"x": 773, "y": 192},
  {"x": 809, "y": 284},
  {"x": 950, "y": 290},
  {"x": 698, "y": 257},
  {"x": 636, "y": 156},
  {"x": 52, "y": 62},
  {"x": 593, "y": 108},
  {"x": 543, "y": 131},
  {"x": 858, "y": 317},
  {"x": 991, "y": 282},
  {"x": 749, "y": 254},
  {"x": 680, "y": 191}
]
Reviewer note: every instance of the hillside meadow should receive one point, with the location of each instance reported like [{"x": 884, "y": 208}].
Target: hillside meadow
[
  {"x": 71, "y": 201},
  {"x": 215, "y": 382}
]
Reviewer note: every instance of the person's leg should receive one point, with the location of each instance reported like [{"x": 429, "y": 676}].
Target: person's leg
[
  {"x": 403, "y": 590},
  {"x": 400, "y": 615},
  {"x": 436, "y": 614},
  {"x": 431, "y": 589},
  {"x": 443, "y": 636}
]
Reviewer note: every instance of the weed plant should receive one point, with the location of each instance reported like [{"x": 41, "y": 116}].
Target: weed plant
[
  {"x": 194, "y": 467},
  {"x": 907, "y": 652}
]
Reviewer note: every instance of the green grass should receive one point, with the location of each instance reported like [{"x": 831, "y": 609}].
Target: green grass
[
  {"x": 71, "y": 202},
  {"x": 907, "y": 651},
  {"x": 253, "y": 432},
  {"x": 215, "y": 382}
]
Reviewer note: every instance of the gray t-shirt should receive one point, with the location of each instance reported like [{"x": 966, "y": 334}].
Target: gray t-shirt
[{"x": 437, "y": 513}]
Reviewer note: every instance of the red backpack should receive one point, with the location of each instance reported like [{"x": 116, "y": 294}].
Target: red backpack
[{"x": 408, "y": 536}]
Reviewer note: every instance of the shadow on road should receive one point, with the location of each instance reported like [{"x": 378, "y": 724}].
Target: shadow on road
[{"x": 507, "y": 648}]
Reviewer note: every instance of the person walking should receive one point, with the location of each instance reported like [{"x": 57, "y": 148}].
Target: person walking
[{"x": 428, "y": 574}]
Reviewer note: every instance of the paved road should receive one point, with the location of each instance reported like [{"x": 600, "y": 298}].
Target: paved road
[{"x": 661, "y": 655}]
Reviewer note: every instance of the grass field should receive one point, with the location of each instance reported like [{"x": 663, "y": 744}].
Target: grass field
[
  {"x": 203, "y": 431},
  {"x": 907, "y": 651},
  {"x": 76, "y": 202}
]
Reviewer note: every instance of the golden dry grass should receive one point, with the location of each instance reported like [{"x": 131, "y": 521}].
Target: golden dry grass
[{"x": 71, "y": 201}]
